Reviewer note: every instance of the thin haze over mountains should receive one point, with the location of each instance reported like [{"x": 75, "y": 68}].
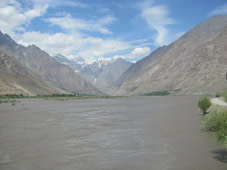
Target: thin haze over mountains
[{"x": 97, "y": 29}]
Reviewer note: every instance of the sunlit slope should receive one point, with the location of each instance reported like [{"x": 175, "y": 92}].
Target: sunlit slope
[{"x": 194, "y": 64}]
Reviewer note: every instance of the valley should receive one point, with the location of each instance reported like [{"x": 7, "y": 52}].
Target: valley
[{"x": 113, "y": 85}]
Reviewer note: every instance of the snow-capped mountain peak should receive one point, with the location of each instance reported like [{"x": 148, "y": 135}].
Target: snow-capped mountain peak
[{"x": 104, "y": 62}]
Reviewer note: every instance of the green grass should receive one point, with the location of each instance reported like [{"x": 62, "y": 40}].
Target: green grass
[
  {"x": 69, "y": 96},
  {"x": 225, "y": 142},
  {"x": 204, "y": 104},
  {"x": 216, "y": 121},
  {"x": 63, "y": 97},
  {"x": 12, "y": 96},
  {"x": 158, "y": 93},
  {"x": 217, "y": 95},
  {"x": 12, "y": 101},
  {"x": 222, "y": 94},
  {"x": 225, "y": 95}
]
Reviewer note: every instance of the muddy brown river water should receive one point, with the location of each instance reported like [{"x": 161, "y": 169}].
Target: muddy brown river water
[{"x": 137, "y": 133}]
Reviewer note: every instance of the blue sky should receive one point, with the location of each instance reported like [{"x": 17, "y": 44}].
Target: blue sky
[{"x": 103, "y": 29}]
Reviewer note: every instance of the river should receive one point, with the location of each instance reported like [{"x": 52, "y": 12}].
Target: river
[{"x": 135, "y": 133}]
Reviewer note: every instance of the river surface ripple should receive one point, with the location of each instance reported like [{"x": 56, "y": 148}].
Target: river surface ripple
[{"x": 136, "y": 133}]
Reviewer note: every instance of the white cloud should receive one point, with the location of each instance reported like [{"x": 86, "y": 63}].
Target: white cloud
[
  {"x": 139, "y": 52},
  {"x": 74, "y": 42},
  {"x": 12, "y": 16},
  {"x": 136, "y": 54},
  {"x": 73, "y": 45},
  {"x": 51, "y": 43},
  {"x": 9, "y": 2},
  {"x": 98, "y": 48},
  {"x": 221, "y": 10},
  {"x": 157, "y": 17},
  {"x": 69, "y": 23}
]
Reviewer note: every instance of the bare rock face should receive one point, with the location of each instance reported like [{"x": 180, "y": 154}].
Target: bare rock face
[
  {"x": 193, "y": 64},
  {"x": 14, "y": 79},
  {"x": 46, "y": 69}
]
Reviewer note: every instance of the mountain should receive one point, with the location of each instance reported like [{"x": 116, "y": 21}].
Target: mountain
[
  {"x": 101, "y": 73},
  {"x": 193, "y": 64},
  {"x": 14, "y": 79},
  {"x": 109, "y": 73},
  {"x": 77, "y": 66},
  {"x": 45, "y": 68}
]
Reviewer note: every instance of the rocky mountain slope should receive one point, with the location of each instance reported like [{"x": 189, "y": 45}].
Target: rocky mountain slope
[
  {"x": 46, "y": 69},
  {"x": 14, "y": 79},
  {"x": 101, "y": 73},
  {"x": 77, "y": 66},
  {"x": 193, "y": 64}
]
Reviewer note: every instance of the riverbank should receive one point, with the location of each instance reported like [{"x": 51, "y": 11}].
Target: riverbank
[
  {"x": 219, "y": 102},
  {"x": 13, "y": 98},
  {"x": 216, "y": 119}
]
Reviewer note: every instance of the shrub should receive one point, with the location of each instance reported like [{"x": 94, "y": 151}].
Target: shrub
[
  {"x": 217, "y": 95},
  {"x": 217, "y": 122},
  {"x": 225, "y": 142},
  {"x": 158, "y": 93},
  {"x": 12, "y": 96},
  {"x": 210, "y": 121},
  {"x": 204, "y": 104},
  {"x": 225, "y": 96}
]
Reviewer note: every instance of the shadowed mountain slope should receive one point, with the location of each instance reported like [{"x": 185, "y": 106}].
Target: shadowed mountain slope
[
  {"x": 14, "y": 79},
  {"x": 40, "y": 65}
]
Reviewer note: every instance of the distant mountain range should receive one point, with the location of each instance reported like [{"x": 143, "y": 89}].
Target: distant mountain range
[
  {"x": 196, "y": 63},
  {"x": 76, "y": 65},
  {"x": 102, "y": 73},
  {"x": 37, "y": 65},
  {"x": 193, "y": 64}
]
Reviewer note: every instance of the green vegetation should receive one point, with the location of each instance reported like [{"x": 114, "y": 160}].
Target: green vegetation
[
  {"x": 204, "y": 104},
  {"x": 158, "y": 93},
  {"x": 12, "y": 101},
  {"x": 65, "y": 98},
  {"x": 12, "y": 96},
  {"x": 222, "y": 94},
  {"x": 217, "y": 95},
  {"x": 162, "y": 93},
  {"x": 225, "y": 142},
  {"x": 8, "y": 97},
  {"x": 225, "y": 95},
  {"x": 216, "y": 121}
]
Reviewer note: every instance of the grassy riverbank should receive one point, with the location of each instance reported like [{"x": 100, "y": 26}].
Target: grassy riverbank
[
  {"x": 216, "y": 121},
  {"x": 13, "y": 98},
  {"x": 216, "y": 118}
]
